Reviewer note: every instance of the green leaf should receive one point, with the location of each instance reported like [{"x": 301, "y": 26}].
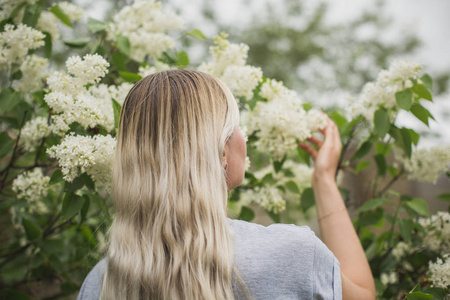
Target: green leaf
[
  {"x": 13, "y": 294},
  {"x": 72, "y": 204},
  {"x": 419, "y": 206},
  {"x": 444, "y": 197},
  {"x": 75, "y": 185},
  {"x": 438, "y": 293},
  {"x": 370, "y": 218},
  {"x": 61, "y": 15},
  {"x": 51, "y": 246},
  {"x": 182, "y": 59},
  {"x": 292, "y": 186},
  {"x": 119, "y": 61},
  {"x": 414, "y": 136},
  {"x": 363, "y": 150},
  {"x": 48, "y": 46},
  {"x": 422, "y": 91},
  {"x": 382, "y": 122},
  {"x": 8, "y": 100},
  {"x": 32, "y": 230},
  {"x": 427, "y": 81},
  {"x": 338, "y": 118},
  {"x": 87, "y": 180},
  {"x": 421, "y": 113},
  {"x": 123, "y": 44},
  {"x": 275, "y": 217},
  {"x": 130, "y": 77},
  {"x": 56, "y": 177},
  {"x": 117, "y": 108},
  {"x": 277, "y": 165},
  {"x": 307, "y": 199},
  {"x": 6, "y": 143},
  {"x": 404, "y": 99},
  {"x": 304, "y": 156},
  {"x": 418, "y": 296},
  {"x": 31, "y": 14},
  {"x": 87, "y": 233},
  {"x": 77, "y": 43},
  {"x": 406, "y": 138},
  {"x": 372, "y": 204},
  {"x": 85, "y": 208},
  {"x": 246, "y": 214},
  {"x": 196, "y": 34},
  {"x": 362, "y": 165},
  {"x": 405, "y": 226},
  {"x": 96, "y": 25},
  {"x": 380, "y": 160}
]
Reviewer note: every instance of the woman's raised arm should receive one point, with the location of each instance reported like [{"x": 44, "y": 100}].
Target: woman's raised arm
[{"x": 335, "y": 224}]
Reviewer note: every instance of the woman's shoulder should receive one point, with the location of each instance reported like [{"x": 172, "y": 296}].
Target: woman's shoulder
[
  {"x": 91, "y": 287},
  {"x": 288, "y": 233},
  {"x": 282, "y": 258}
]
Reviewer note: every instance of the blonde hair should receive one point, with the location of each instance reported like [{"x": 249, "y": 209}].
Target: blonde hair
[{"x": 170, "y": 238}]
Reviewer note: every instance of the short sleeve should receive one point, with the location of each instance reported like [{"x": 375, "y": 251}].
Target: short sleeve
[
  {"x": 90, "y": 290},
  {"x": 326, "y": 274}
]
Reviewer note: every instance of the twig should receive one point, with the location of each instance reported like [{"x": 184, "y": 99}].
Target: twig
[
  {"x": 391, "y": 182},
  {"x": 11, "y": 162}
]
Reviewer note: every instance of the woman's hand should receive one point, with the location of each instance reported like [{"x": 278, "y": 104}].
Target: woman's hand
[{"x": 326, "y": 157}]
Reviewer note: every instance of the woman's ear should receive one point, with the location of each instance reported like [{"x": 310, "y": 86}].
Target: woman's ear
[{"x": 224, "y": 158}]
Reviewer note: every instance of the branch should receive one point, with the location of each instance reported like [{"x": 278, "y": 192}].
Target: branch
[
  {"x": 391, "y": 182},
  {"x": 11, "y": 162},
  {"x": 47, "y": 232}
]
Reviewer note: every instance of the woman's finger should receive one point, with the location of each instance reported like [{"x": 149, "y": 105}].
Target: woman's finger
[
  {"x": 316, "y": 141},
  {"x": 311, "y": 151}
]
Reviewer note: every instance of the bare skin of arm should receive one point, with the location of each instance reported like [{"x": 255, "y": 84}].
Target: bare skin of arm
[{"x": 335, "y": 224}]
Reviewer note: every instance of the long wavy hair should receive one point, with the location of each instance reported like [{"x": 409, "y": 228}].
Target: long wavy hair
[{"x": 170, "y": 238}]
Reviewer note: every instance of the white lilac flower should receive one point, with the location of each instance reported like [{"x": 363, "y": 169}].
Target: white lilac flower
[
  {"x": 247, "y": 163},
  {"x": 437, "y": 231},
  {"x": 90, "y": 70},
  {"x": 280, "y": 124},
  {"x": 158, "y": 67},
  {"x": 400, "y": 250},
  {"x": 146, "y": 26},
  {"x": 33, "y": 132},
  {"x": 72, "y": 102},
  {"x": 15, "y": 42},
  {"x": 268, "y": 197},
  {"x": 302, "y": 173},
  {"x": 63, "y": 83},
  {"x": 32, "y": 186},
  {"x": 440, "y": 272},
  {"x": 48, "y": 22},
  {"x": 93, "y": 155},
  {"x": 8, "y": 6},
  {"x": 33, "y": 74},
  {"x": 120, "y": 92},
  {"x": 224, "y": 54},
  {"x": 381, "y": 93},
  {"x": 389, "y": 278},
  {"x": 242, "y": 80},
  {"x": 74, "y": 12},
  {"x": 272, "y": 89},
  {"x": 84, "y": 108},
  {"x": 399, "y": 74},
  {"x": 426, "y": 165}
]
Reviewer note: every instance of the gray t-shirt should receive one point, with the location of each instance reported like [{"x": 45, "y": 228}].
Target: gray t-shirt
[{"x": 277, "y": 262}]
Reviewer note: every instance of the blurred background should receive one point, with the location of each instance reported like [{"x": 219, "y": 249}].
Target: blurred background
[{"x": 327, "y": 50}]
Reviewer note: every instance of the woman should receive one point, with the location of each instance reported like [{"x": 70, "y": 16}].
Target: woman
[{"x": 179, "y": 152}]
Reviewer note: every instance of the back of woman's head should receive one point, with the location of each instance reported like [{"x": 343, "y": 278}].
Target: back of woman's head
[{"x": 170, "y": 238}]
